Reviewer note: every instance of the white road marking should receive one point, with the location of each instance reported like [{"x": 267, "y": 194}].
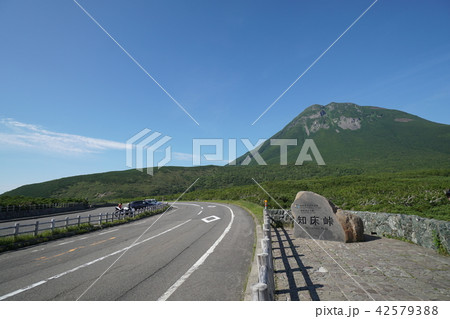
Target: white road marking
[
  {"x": 211, "y": 206},
  {"x": 108, "y": 231},
  {"x": 200, "y": 212},
  {"x": 86, "y": 237},
  {"x": 211, "y": 218},
  {"x": 198, "y": 263},
  {"x": 87, "y": 264},
  {"x": 66, "y": 242},
  {"x": 23, "y": 289},
  {"x": 38, "y": 250},
  {"x": 190, "y": 204}
]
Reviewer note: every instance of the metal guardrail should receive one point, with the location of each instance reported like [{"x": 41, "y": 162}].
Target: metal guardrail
[
  {"x": 39, "y": 227},
  {"x": 264, "y": 290},
  {"x": 280, "y": 215}
]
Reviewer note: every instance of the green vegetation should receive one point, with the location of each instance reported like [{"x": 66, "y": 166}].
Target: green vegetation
[
  {"x": 417, "y": 193},
  {"x": 21, "y": 200},
  {"x": 365, "y": 137},
  {"x": 132, "y": 184},
  {"x": 438, "y": 244}
]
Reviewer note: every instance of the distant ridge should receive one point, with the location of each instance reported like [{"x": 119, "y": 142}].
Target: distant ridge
[{"x": 352, "y": 140}]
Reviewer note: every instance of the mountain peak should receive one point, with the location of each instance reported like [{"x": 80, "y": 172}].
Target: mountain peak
[
  {"x": 349, "y": 133},
  {"x": 343, "y": 116},
  {"x": 336, "y": 116}
]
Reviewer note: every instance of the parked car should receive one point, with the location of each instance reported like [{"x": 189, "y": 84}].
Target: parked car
[
  {"x": 137, "y": 204},
  {"x": 151, "y": 202}
]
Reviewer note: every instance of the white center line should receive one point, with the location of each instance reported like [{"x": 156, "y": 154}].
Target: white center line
[{"x": 200, "y": 212}]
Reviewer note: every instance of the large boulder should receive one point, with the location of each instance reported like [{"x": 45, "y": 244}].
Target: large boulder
[
  {"x": 318, "y": 218},
  {"x": 353, "y": 226}
]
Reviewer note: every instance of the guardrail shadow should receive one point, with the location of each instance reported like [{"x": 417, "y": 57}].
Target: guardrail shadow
[{"x": 293, "y": 289}]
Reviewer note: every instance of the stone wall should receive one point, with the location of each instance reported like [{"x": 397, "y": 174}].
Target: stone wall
[
  {"x": 421, "y": 231},
  {"x": 414, "y": 228}
]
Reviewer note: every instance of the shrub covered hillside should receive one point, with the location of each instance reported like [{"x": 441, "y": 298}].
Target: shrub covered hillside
[
  {"x": 418, "y": 193},
  {"x": 6, "y": 200}
]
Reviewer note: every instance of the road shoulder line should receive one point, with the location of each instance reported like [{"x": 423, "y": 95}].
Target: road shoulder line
[{"x": 199, "y": 262}]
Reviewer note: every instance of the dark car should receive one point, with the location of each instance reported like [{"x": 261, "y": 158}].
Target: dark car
[
  {"x": 137, "y": 204},
  {"x": 151, "y": 202}
]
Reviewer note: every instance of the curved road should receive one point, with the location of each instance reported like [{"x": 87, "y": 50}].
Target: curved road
[{"x": 196, "y": 251}]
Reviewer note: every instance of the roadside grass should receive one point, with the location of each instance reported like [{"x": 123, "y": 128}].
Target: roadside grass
[
  {"x": 438, "y": 244},
  {"x": 24, "y": 240}
]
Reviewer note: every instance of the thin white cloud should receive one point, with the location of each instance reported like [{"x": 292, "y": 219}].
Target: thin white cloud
[{"x": 22, "y": 135}]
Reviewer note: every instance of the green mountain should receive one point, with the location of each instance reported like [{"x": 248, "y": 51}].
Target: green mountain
[
  {"x": 352, "y": 140},
  {"x": 363, "y": 136}
]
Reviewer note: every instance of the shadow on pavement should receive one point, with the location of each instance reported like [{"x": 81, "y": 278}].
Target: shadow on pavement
[
  {"x": 293, "y": 289},
  {"x": 370, "y": 237}
]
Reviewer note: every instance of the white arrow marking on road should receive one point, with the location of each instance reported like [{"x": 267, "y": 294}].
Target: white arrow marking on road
[{"x": 210, "y": 219}]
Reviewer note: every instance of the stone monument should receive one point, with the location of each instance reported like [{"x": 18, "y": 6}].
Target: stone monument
[{"x": 317, "y": 217}]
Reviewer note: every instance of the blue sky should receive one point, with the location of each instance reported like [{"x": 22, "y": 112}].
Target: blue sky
[{"x": 70, "y": 97}]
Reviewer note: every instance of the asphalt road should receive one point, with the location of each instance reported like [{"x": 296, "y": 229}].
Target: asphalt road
[{"x": 197, "y": 251}]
